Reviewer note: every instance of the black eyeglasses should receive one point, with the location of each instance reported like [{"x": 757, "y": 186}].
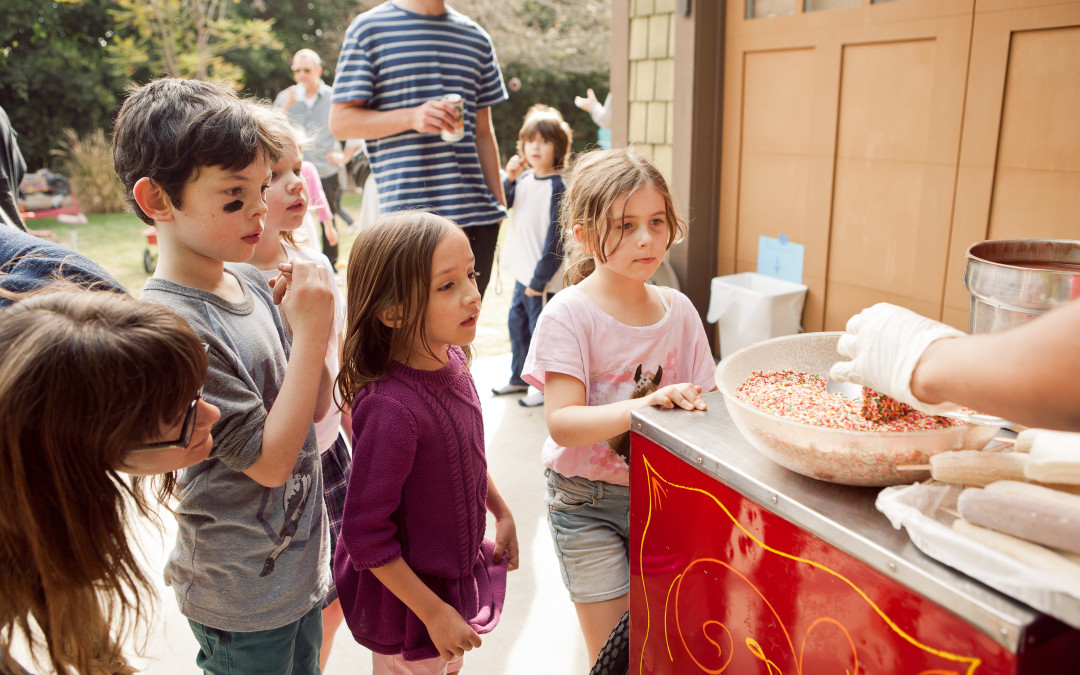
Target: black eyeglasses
[{"x": 186, "y": 430}]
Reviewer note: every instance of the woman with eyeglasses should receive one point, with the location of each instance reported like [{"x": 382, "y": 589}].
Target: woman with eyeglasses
[{"x": 92, "y": 384}]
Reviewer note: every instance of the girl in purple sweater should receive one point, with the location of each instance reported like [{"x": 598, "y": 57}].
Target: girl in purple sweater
[{"x": 417, "y": 580}]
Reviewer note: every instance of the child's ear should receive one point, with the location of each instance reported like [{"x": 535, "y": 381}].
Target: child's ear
[
  {"x": 391, "y": 316},
  {"x": 579, "y": 236},
  {"x": 152, "y": 199}
]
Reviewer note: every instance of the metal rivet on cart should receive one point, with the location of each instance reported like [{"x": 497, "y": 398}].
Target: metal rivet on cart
[
  {"x": 892, "y": 567},
  {"x": 699, "y": 459},
  {"x": 774, "y": 499}
]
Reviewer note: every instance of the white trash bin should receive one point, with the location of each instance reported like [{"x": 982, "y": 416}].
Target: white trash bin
[{"x": 751, "y": 307}]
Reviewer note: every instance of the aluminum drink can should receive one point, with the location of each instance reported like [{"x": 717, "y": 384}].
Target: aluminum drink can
[{"x": 459, "y": 124}]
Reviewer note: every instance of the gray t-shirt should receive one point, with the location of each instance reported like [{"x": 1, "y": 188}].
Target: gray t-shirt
[{"x": 247, "y": 557}]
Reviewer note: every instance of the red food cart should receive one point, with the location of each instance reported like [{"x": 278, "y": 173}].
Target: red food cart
[{"x": 741, "y": 566}]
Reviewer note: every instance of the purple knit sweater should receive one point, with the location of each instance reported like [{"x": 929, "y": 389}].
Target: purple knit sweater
[{"x": 417, "y": 490}]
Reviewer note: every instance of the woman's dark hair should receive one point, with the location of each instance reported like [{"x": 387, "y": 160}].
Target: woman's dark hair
[{"x": 84, "y": 377}]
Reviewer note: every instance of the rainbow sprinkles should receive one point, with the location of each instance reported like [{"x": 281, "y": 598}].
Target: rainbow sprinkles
[{"x": 802, "y": 397}]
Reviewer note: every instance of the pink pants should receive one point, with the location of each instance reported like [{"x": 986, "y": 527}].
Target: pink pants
[{"x": 394, "y": 664}]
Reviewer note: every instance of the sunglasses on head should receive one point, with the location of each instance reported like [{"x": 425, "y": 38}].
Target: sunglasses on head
[{"x": 186, "y": 429}]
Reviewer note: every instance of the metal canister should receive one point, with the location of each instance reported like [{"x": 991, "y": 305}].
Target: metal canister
[
  {"x": 1014, "y": 280},
  {"x": 459, "y": 123}
]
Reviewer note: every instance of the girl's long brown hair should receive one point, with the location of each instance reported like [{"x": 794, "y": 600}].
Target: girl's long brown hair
[
  {"x": 600, "y": 183},
  {"x": 84, "y": 377},
  {"x": 389, "y": 266}
]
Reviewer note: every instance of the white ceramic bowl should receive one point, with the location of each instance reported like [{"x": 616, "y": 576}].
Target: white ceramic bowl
[{"x": 834, "y": 455}]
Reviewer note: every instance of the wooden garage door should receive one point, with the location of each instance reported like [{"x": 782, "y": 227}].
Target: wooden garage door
[
  {"x": 1019, "y": 173},
  {"x": 846, "y": 127}
]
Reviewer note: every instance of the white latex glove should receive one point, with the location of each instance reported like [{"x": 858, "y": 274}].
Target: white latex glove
[{"x": 885, "y": 343}]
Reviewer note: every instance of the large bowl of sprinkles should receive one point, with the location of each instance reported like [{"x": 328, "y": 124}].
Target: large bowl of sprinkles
[{"x": 775, "y": 393}]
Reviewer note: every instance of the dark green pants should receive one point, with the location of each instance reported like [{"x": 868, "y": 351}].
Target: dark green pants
[{"x": 292, "y": 649}]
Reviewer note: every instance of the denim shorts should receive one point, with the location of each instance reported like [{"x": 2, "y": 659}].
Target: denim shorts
[{"x": 590, "y": 527}]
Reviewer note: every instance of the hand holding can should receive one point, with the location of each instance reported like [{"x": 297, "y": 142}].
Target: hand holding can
[{"x": 459, "y": 119}]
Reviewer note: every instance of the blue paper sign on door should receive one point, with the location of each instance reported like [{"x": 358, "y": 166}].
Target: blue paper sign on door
[{"x": 780, "y": 258}]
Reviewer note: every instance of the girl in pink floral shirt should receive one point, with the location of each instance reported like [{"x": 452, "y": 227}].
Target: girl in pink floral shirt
[{"x": 603, "y": 347}]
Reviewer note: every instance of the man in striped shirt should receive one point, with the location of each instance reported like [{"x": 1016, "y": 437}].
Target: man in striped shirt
[{"x": 397, "y": 62}]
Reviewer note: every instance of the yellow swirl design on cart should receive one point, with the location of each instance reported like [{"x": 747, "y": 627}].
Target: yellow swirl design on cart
[{"x": 657, "y": 492}]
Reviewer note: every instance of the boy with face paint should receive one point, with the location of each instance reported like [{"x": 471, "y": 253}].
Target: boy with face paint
[{"x": 250, "y": 566}]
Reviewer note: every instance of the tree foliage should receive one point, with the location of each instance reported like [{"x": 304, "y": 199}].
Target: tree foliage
[
  {"x": 572, "y": 36},
  {"x": 185, "y": 38},
  {"x": 315, "y": 24},
  {"x": 64, "y": 63},
  {"x": 51, "y": 74}
]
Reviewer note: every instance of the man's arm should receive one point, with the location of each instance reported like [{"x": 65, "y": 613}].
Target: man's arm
[
  {"x": 356, "y": 120},
  {"x": 1027, "y": 373},
  {"x": 285, "y": 98},
  {"x": 488, "y": 149}
]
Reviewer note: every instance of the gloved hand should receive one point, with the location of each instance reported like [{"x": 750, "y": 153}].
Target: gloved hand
[{"x": 885, "y": 343}]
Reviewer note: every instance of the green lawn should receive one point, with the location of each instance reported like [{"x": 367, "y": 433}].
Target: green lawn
[{"x": 115, "y": 241}]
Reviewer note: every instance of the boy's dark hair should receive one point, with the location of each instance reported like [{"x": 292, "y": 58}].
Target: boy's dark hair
[
  {"x": 549, "y": 123},
  {"x": 168, "y": 128}
]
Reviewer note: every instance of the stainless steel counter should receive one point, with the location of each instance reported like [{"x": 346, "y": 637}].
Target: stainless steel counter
[{"x": 842, "y": 516}]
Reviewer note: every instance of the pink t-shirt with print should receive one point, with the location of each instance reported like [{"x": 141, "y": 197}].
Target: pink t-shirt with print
[{"x": 575, "y": 337}]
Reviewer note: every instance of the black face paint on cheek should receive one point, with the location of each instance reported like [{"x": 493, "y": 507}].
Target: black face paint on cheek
[{"x": 233, "y": 207}]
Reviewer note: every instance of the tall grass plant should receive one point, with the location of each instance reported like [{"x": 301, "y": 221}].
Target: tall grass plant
[{"x": 87, "y": 163}]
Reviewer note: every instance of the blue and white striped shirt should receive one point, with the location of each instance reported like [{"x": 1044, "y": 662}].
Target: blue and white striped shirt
[{"x": 391, "y": 59}]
